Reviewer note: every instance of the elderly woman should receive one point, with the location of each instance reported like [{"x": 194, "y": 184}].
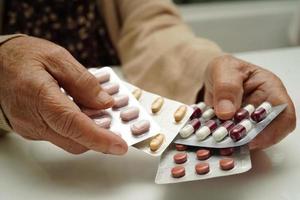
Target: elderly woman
[{"x": 46, "y": 45}]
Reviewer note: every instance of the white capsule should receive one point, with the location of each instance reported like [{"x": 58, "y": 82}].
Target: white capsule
[
  {"x": 220, "y": 133},
  {"x": 246, "y": 123},
  {"x": 201, "y": 105},
  {"x": 202, "y": 133},
  {"x": 267, "y": 106},
  {"x": 186, "y": 131},
  {"x": 250, "y": 108},
  {"x": 208, "y": 114}
]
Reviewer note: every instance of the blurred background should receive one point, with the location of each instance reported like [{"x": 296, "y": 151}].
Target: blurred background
[{"x": 244, "y": 25}]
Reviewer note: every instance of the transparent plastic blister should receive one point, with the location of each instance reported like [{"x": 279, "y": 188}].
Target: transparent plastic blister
[
  {"x": 210, "y": 142},
  {"x": 117, "y": 125},
  {"x": 241, "y": 157},
  {"x": 164, "y": 118}
]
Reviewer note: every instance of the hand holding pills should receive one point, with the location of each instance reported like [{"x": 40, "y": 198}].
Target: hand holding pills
[{"x": 230, "y": 82}]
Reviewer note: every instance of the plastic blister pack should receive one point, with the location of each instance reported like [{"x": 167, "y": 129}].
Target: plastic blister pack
[
  {"x": 164, "y": 117},
  {"x": 238, "y": 162},
  {"x": 210, "y": 141},
  {"x": 127, "y": 117}
]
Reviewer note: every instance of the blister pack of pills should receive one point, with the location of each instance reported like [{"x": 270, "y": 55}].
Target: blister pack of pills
[
  {"x": 180, "y": 163},
  {"x": 205, "y": 130},
  {"x": 127, "y": 117},
  {"x": 170, "y": 115}
]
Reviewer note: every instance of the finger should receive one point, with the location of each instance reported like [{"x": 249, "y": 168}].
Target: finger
[
  {"x": 65, "y": 118},
  {"x": 76, "y": 80}
]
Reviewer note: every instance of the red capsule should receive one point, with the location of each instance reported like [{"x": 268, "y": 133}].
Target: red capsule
[
  {"x": 203, "y": 154},
  {"x": 178, "y": 171},
  {"x": 259, "y": 114},
  {"x": 180, "y": 158},
  {"x": 195, "y": 123},
  {"x": 180, "y": 147},
  {"x": 228, "y": 125},
  {"x": 202, "y": 168},
  {"x": 226, "y": 151},
  {"x": 240, "y": 130},
  {"x": 243, "y": 113},
  {"x": 197, "y": 112},
  {"x": 211, "y": 124}
]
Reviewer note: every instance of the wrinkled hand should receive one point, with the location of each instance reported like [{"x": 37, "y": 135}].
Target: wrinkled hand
[
  {"x": 32, "y": 71},
  {"x": 231, "y": 82}
]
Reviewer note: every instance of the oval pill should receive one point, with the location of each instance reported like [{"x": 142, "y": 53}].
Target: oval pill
[
  {"x": 223, "y": 130},
  {"x": 203, "y": 154},
  {"x": 226, "y": 151},
  {"x": 240, "y": 130},
  {"x": 206, "y": 130},
  {"x": 180, "y": 113},
  {"x": 157, "y": 104},
  {"x": 261, "y": 112},
  {"x": 103, "y": 122},
  {"x": 181, "y": 147},
  {"x": 120, "y": 101},
  {"x": 202, "y": 168},
  {"x": 244, "y": 113},
  {"x": 208, "y": 114},
  {"x": 178, "y": 171},
  {"x": 111, "y": 88},
  {"x": 226, "y": 164},
  {"x": 180, "y": 158},
  {"x": 137, "y": 93},
  {"x": 102, "y": 77},
  {"x": 156, "y": 142},
  {"x": 129, "y": 114},
  {"x": 140, "y": 127}
]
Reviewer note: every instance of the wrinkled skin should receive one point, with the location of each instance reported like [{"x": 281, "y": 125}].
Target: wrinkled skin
[
  {"x": 230, "y": 82},
  {"x": 31, "y": 73}
]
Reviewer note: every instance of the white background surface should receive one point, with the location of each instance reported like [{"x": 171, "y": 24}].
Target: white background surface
[{"x": 38, "y": 170}]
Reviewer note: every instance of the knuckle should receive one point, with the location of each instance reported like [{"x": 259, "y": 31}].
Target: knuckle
[
  {"x": 54, "y": 52},
  {"x": 86, "y": 79}
]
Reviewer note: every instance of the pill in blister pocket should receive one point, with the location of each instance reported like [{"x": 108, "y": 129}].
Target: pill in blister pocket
[
  {"x": 240, "y": 130},
  {"x": 103, "y": 122},
  {"x": 129, "y": 114},
  {"x": 202, "y": 168},
  {"x": 180, "y": 113},
  {"x": 206, "y": 130},
  {"x": 244, "y": 113},
  {"x": 102, "y": 77},
  {"x": 137, "y": 93},
  {"x": 198, "y": 110},
  {"x": 261, "y": 112},
  {"x": 140, "y": 127},
  {"x": 226, "y": 164},
  {"x": 156, "y": 142},
  {"x": 190, "y": 128},
  {"x": 111, "y": 88},
  {"x": 208, "y": 114},
  {"x": 203, "y": 154},
  {"x": 181, "y": 147},
  {"x": 223, "y": 130},
  {"x": 157, "y": 104},
  {"x": 178, "y": 171},
  {"x": 226, "y": 151},
  {"x": 120, "y": 101},
  {"x": 180, "y": 158}
]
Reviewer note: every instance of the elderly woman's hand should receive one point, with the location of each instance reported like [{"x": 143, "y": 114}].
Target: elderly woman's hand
[
  {"x": 231, "y": 82},
  {"x": 32, "y": 71}
]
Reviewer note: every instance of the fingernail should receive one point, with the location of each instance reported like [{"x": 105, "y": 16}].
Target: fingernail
[
  {"x": 117, "y": 149},
  {"x": 225, "y": 107},
  {"x": 105, "y": 98}
]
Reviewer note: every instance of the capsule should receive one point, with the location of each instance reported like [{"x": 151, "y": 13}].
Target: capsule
[
  {"x": 198, "y": 110},
  {"x": 157, "y": 104},
  {"x": 261, "y": 112},
  {"x": 190, "y": 128},
  {"x": 178, "y": 171},
  {"x": 181, "y": 147},
  {"x": 180, "y": 113},
  {"x": 244, "y": 113},
  {"x": 111, "y": 88},
  {"x": 129, "y": 114},
  {"x": 240, "y": 130},
  {"x": 223, "y": 130},
  {"x": 120, "y": 101},
  {"x": 203, "y": 154},
  {"x": 206, "y": 130},
  {"x": 226, "y": 164},
  {"x": 140, "y": 127},
  {"x": 208, "y": 114},
  {"x": 156, "y": 142},
  {"x": 202, "y": 168},
  {"x": 180, "y": 158},
  {"x": 137, "y": 93},
  {"x": 102, "y": 77}
]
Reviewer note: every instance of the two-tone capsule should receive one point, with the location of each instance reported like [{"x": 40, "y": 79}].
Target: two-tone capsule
[
  {"x": 208, "y": 114},
  {"x": 198, "y": 110},
  {"x": 240, "y": 130},
  {"x": 223, "y": 130},
  {"x": 190, "y": 128},
  {"x": 261, "y": 112},
  {"x": 244, "y": 113},
  {"x": 206, "y": 130}
]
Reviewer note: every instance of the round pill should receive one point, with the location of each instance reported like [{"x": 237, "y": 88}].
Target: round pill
[
  {"x": 140, "y": 127},
  {"x": 178, "y": 171},
  {"x": 202, "y": 168},
  {"x": 203, "y": 154},
  {"x": 111, "y": 88},
  {"x": 180, "y": 113},
  {"x": 102, "y": 77},
  {"x": 120, "y": 101},
  {"x": 226, "y": 164},
  {"x": 180, "y": 158},
  {"x": 226, "y": 151},
  {"x": 129, "y": 114},
  {"x": 181, "y": 147}
]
